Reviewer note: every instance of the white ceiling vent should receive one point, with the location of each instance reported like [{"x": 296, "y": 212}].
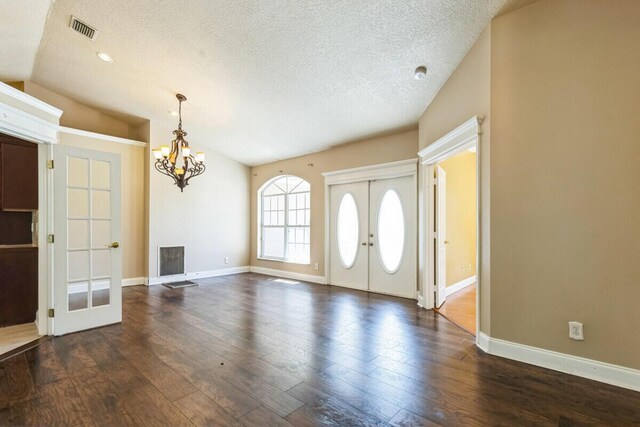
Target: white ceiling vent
[{"x": 82, "y": 28}]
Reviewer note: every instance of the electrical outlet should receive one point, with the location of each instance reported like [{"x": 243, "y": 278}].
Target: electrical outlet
[
  {"x": 575, "y": 331},
  {"x": 317, "y": 266},
  {"x": 226, "y": 260},
  {"x": 462, "y": 269}
]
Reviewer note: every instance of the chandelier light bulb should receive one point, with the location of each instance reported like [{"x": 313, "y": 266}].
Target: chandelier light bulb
[
  {"x": 186, "y": 151},
  {"x": 200, "y": 156},
  {"x": 165, "y": 150},
  {"x": 157, "y": 153}
]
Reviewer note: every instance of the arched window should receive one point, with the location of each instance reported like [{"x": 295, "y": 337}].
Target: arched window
[{"x": 285, "y": 218}]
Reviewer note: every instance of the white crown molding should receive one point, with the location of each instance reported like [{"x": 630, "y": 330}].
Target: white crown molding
[
  {"x": 102, "y": 137},
  {"x": 452, "y": 289},
  {"x": 367, "y": 173},
  {"x": 20, "y": 124},
  {"x": 574, "y": 365},
  {"x": 289, "y": 275},
  {"x": 461, "y": 138},
  {"x": 29, "y": 100},
  {"x": 196, "y": 275}
]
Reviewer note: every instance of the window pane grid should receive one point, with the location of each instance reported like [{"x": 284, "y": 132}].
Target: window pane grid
[{"x": 286, "y": 217}]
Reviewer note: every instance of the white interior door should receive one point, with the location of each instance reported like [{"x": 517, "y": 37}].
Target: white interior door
[
  {"x": 349, "y": 225},
  {"x": 87, "y": 258},
  {"x": 393, "y": 237},
  {"x": 441, "y": 235}
]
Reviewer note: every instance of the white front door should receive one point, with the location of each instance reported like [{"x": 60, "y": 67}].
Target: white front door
[
  {"x": 441, "y": 235},
  {"x": 373, "y": 234},
  {"x": 393, "y": 236},
  {"x": 349, "y": 228},
  {"x": 87, "y": 257}
]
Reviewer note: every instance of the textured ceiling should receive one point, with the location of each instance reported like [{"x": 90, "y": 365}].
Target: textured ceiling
[
  {"x": 266, "y": 80},
  {"x": 21, "y": 26}
]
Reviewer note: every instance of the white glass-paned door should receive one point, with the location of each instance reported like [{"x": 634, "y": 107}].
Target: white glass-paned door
[
  {"x": 87, "y": 257},
  {"x": 349, "y": 255},
  {"x": 394, "y": 229},
  {"x": 373, "y": 236}
]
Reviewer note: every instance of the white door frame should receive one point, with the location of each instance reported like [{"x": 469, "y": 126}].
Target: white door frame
[
  {"x": 460, "y": 139},
  {"x": 18, "y": 118},
  {"x": 365, "y": 173}
]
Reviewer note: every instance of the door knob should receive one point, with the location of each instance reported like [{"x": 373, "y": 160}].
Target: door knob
[
  {"x": 446, "y": 242},
  {"x": 364, "y": 243},
  {"x": 114, "y": 245},
  {"x": 370, "y": 243}
]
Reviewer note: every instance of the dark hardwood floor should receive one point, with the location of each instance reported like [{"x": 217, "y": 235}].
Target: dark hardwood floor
[{"x": 252, "y": 350}]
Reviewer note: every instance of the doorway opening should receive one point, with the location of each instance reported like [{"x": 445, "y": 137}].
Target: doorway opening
[
  {"x": 455, "y": 207},
  {"x": 457, "y": 295}
]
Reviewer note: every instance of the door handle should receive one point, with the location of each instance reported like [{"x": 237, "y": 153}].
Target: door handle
[
  {"x": 364, "y": 243},
  {"x": 114, "y": 245},
  {"x": 370, "y": 243},
  {"x": 446, "y": 242}
]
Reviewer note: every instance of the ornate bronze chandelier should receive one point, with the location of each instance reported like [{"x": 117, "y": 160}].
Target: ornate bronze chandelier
[{"x": 167, "y": 158}]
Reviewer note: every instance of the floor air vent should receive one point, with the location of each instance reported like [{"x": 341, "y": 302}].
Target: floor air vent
[{"x": 82, "y": 28}]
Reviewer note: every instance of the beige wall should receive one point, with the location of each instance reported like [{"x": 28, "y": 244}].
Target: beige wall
[
  {"x": 466, "y": 94},
  {"x": 79, "y": 116},
  {"x": 565, "y": 203},
  {"x": 461, "y": 216},
  {"x": 132, "y": 233},
  {"x": 210, "y": 218},
  {"x": 385, "y": 149}
]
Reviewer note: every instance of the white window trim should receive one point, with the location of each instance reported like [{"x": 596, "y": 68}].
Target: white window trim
[{"x": 261, "y": 226}]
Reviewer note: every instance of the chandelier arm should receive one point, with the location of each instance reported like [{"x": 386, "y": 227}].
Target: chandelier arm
[{"x": 161, "y": 166}]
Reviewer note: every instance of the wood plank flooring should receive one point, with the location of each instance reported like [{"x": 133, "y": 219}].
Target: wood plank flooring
[
  {"x": 249, "y": 350},
  {"x": 460, "y": 308}
]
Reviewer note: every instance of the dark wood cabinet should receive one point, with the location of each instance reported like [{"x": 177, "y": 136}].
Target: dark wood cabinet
[
  {"x": 18, "y": 285},
  {"x": 18, "y": 174},
  {"x": 18, "y": 211}
]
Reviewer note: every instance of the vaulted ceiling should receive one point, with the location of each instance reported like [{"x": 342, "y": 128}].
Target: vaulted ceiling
[{"x": 265, "y": 80}]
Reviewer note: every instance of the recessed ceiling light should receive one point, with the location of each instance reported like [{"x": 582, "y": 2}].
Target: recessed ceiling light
[
  {"x": 421, "y": 72},
  {"x": 173, "y": 113},
  {"x": 104, "y": 57}
]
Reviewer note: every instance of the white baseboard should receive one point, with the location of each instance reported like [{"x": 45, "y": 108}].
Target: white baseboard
[
  {"x": 196, "y": 275},
  {"x": 574, "y": 365},
  {"x": 461, "y": 285},
  {"x": 133, "y": 281},
  {"x": 289, "y": 275}
]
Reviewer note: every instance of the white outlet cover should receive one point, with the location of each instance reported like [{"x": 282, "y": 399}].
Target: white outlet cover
[{"x": 576, "y": 331}]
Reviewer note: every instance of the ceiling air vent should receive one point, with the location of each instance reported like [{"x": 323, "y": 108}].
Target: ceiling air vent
[{"x": 82, "y": 28}]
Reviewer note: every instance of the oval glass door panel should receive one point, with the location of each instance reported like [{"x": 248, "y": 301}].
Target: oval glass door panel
[
  {"x": 390, "y": 231},
  {"x": 347, "y": 230}
]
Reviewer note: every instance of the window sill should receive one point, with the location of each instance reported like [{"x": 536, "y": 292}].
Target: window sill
[{"x": 284, "y": 261}]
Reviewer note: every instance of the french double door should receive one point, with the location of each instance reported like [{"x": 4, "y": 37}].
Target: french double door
[{"x": 373, "y": 236}]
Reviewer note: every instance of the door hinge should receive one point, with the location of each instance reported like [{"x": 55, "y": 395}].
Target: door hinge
[
  {"x": 52, "y": 312},
  {"x": 51, "y": 164},
  {"x": 51, "y": 238}
]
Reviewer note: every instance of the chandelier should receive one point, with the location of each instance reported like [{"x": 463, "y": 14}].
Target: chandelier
[{"x": 167, "y": 158}]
